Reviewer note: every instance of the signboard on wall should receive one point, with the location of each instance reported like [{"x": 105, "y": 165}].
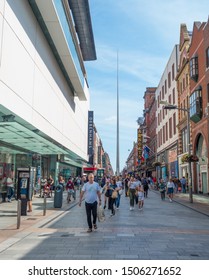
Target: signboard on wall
[
  {"x": 90, "y": 135},
  {"x": 139, "y": 143},
  {"x": 99, "y": 155}
]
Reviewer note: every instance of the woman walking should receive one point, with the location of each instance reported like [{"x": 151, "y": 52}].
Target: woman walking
[
  {"x": 162, "y": 189},
  {"x": 132, "y": 191},
  {"x": 119, "y": 189},
  {"x": 170, "y": 188},
  {"x": 113, "y": 187}
]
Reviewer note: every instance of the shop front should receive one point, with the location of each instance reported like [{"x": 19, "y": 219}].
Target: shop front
[
  {"x": 67, "y": 169},
  {"x": 201, "y": 180},
  {"x": 21, "y": 146}
]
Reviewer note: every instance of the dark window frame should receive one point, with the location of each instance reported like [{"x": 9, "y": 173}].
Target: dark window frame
[
  {"x": 193, "y": 68},
  {"x": 207, "y": 57}
]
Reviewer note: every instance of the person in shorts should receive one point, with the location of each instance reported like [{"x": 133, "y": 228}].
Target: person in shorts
[
  {"x": 170, "y": 189},
  {"x": 140, "y": 197}
]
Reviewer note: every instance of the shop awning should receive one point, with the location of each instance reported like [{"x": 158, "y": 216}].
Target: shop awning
[
  {"x": 23, "y": 138},
  {"x": 89, "y": 169}
]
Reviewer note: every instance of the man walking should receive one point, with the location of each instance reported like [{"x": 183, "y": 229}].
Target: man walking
[
  {"x": 91, "y": 189},
  {"x": 183, "y": 184}
]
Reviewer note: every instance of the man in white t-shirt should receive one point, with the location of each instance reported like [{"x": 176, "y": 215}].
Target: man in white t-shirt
[{"x": 91, "y": 189}]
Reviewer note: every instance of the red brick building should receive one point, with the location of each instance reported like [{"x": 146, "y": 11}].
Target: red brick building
[
  {"x": 150, "y": 137},
  {"x": 199, "y": 104}
]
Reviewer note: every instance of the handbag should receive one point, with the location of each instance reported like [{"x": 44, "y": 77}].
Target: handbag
[
  {"x": 100, "y": 214},
  {"x": 128, "y": 192},
  {"x": 120, "y": 192},
  {"x": 114, "y": 194}
]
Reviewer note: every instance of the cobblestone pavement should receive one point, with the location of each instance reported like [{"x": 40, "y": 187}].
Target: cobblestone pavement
[{"x": 162, "y": 231}]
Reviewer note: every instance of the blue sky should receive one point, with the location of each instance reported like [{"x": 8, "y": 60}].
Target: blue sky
[{"x": 143, "y": 32}]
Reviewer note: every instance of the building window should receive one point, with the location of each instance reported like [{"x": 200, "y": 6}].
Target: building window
[
  {"x": 163, "y": 92},
  {"x": 169, "y": 79},
  {"x": 174, "y": 123},
  {"x": 196, "y": 105},
  {"x": 163, "y": 134},
  {"x": 208, "y": 92},
  {"x": 166, "y": 131},
  {"x": 207, "y": 58},
  {"x": 169, "y": 99},
  {"x": 184, "y": 140},
  {"x": 173, "y": 72},
  {"x": 170, "y": 128},
  {"x": 194, "y": 68},
  {"x": 174, "y": 99}
]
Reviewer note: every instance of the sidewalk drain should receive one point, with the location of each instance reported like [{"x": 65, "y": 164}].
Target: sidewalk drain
[
  {"x": 31, "y": 218},
  {"x": 194, "y": 255}
]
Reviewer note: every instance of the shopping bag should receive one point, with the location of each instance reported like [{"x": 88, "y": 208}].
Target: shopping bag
[{"x": 100, "y": 214}]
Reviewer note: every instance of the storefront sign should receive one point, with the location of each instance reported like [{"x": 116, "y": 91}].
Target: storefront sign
[
  {"x": 90, "y": 135},
  {"x": 99, "y": 154},
  {"x": 174, "y": 169},
  {"x": 203, "y": 168},
  {"x": 103, "y": 161},
  {"x": 139, "y": 143}
]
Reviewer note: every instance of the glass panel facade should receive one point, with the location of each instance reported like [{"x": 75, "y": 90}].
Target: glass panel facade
[
  {"x": 196, "y": 105},
  {"x": 64, "y": 23}
]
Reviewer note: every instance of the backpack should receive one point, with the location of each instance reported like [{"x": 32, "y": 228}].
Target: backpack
[{"x": 145, "y": 184}]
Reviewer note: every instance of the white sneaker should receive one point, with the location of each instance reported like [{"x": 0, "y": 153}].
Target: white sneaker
[{"x": 131, "y": 208}]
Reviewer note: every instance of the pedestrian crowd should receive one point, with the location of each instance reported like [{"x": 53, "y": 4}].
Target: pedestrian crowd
[{"x": 106, "y": 194}]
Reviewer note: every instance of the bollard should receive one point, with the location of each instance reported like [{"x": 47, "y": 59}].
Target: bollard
[
  {"x": 18, "y": 213},
  {"x": 44, "y": 207}
]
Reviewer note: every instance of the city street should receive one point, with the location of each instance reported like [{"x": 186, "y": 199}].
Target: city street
[{"x": 161, "y": 231}]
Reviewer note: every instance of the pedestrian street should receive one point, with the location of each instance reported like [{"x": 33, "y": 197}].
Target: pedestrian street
[{"x": 162, "y": 231}]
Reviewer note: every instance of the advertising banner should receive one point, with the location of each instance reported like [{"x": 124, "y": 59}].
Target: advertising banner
[
  {"x": 139, "y": 143},
  {"x": 90, "y": 135}
]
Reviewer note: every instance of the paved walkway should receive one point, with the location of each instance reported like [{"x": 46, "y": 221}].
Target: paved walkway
[
  {"x": 40, "y": 214},
  {"x": 162, "y": 230},
  {"x": 8, "y": 211}
]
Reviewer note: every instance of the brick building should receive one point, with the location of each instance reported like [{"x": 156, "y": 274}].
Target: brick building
[
  {"x": 199, "y": 104},
  {"x": 183, "y": 88},
  {"x": 150, "y": 137}
]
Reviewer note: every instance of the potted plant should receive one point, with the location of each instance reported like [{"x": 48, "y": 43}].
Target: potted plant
[
  {"x": 191, "y": 158},
  {"x": 156, "y": 163},
  {"x": 185, "y": 158}
]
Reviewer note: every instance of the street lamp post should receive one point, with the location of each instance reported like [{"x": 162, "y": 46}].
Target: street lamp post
[
  {"x": 117, "y": 144},
  {"x": 173, "y": 107}
]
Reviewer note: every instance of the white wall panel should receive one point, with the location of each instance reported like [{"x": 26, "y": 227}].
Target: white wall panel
[
  {"x": 2, "y": 4},
  {"x": 17, "y": 66},
  {"x": 33, "y": 85}
]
